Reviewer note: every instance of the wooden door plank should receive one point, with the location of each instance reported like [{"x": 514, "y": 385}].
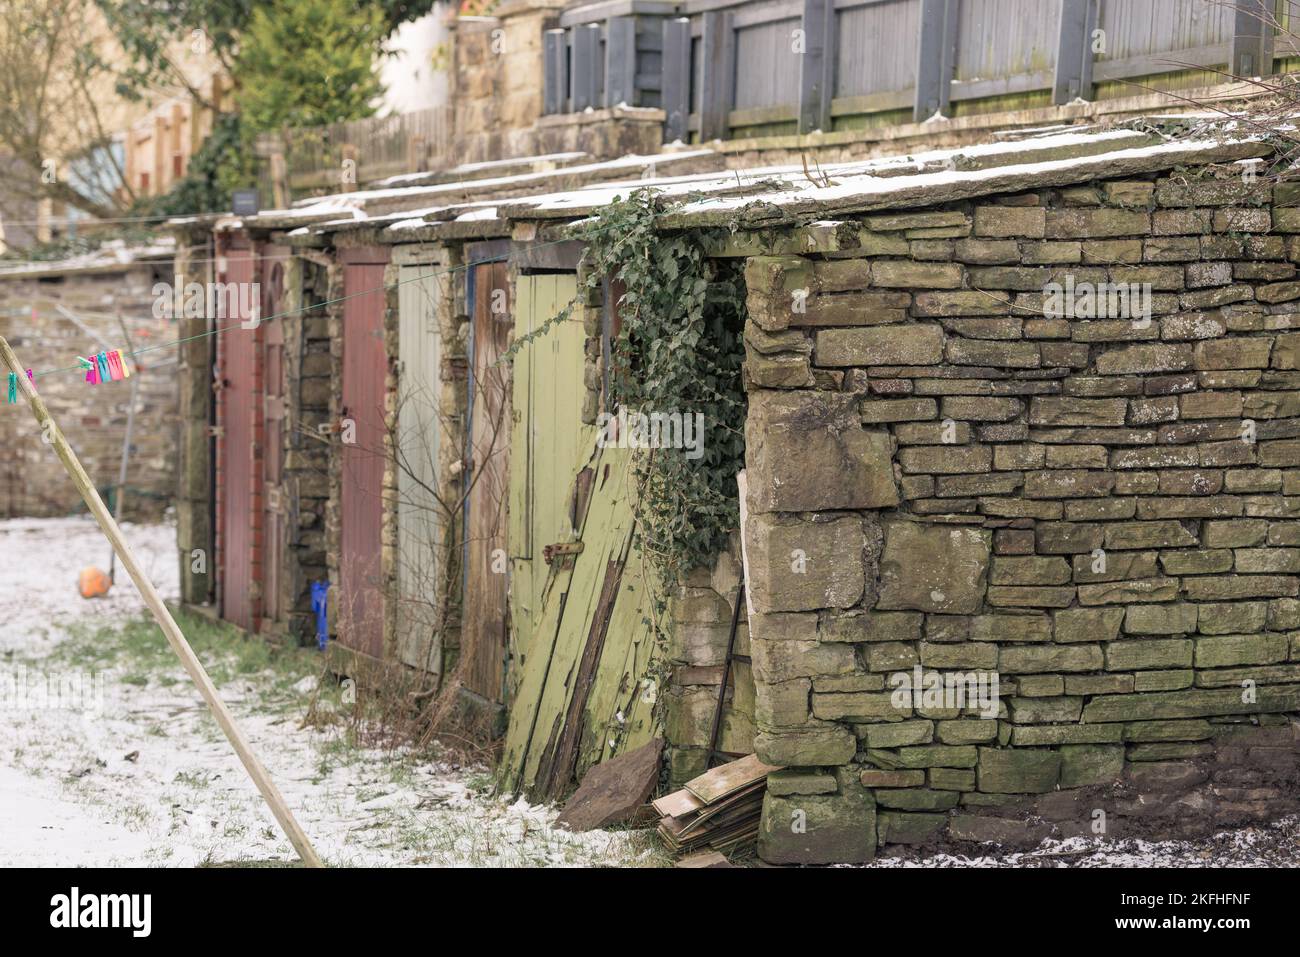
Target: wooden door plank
[
  {"x": 579, "y": 605},
  {"x": 605, "y": 534},
  {"x": 484, "y": 635},
  {"x": 239, "y": 404},
  {"x": 620, "y": 712},
  {"x": 419, "y": 427},
  {"x": 566, "y": 752},
  {"x": 361, "y": 598}
]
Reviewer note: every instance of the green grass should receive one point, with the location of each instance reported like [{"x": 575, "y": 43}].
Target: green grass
[{"x": 137, "y": 649}]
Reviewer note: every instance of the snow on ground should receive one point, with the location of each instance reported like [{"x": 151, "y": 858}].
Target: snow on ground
[
  {"x": 138, "y": 773},
  {"x": 38, "y": 578},
  {"x": 1271, "y": 845}
]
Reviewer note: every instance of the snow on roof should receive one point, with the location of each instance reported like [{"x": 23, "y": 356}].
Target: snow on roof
[
  {"x": 362, "y": 197},
  {"x": 543, "y": 161},
  {"x": 873, "y": 192},
  {"x": 916, "y": 179},
  {"x": 111, "y": 255},
  {"x": 1039, "y": 157}
]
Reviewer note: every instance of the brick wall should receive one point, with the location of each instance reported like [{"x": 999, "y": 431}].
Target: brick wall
[
  {"x": 1103, "y": 513},
  {"x": 32, "y": 481}
]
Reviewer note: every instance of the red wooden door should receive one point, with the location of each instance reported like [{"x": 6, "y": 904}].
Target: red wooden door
[
  {"x": 237, "y": 403},
  {"x": 275, "y": 502},
  {"x": 360, "y": 606}
]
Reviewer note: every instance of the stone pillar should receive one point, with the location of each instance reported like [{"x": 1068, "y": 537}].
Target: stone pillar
[
  {"x": 194, "y": 531},
  {"x": 498, "y": 78}
]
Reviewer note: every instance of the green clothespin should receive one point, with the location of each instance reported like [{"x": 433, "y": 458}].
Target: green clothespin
[{"x": 13, "y": 388}]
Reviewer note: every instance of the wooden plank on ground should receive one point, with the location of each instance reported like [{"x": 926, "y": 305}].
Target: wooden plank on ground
[{"x": 717, "y": 783}]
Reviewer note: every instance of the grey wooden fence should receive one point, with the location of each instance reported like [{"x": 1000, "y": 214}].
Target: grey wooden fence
[
  {"x": 342, "y": 156},
  {"x": 721, "y": 68}
]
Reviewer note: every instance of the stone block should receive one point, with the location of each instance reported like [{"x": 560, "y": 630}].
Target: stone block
[
  {"x": 1086, "y": 765},
  {"x": 818, "y": 829},
  {"x": 814, "y": 747},
  {"x": 897, "y": 827},
  {"x": 933, "y": 568},
  {"x": 1037, "y": 659},
  {"x": 918, "y": 344},
  {"x": 800, "y": 565},
  {"x": 807, "y": 451},
  {"x": 1011, "y": 771}
]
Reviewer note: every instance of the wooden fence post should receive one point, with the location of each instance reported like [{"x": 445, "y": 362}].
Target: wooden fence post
[{"x": 172, "y": 632}]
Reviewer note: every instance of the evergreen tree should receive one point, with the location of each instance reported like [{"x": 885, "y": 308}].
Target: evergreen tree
[{"x": 308, "y": 63}]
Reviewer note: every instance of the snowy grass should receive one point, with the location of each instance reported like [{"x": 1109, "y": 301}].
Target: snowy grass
[
  {"x": 155, "y": 765},
  {"x": 147, "y": 778}
]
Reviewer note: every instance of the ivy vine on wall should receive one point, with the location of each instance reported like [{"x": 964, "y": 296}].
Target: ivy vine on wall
[{"x": 679, "y": 351}]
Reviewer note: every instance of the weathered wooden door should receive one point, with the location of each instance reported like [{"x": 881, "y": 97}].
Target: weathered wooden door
[
  {"x": 582, "y": 684},
  {"x": 546, "y": 441},
  {"x": 362, "y": 447},
  {"x": 484, "y": 636},
  {"x": 275, "y": 502},
  {"x": 420, "y": 523},
  {"x": 586, "y": 687},
  {"x": 237, "y": 403}
]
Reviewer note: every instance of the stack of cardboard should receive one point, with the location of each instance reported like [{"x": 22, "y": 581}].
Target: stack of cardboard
[{"x": 719, "y": 809}]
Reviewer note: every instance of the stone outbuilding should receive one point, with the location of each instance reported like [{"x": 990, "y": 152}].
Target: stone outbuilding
[{"x": 1020, "y": 487}]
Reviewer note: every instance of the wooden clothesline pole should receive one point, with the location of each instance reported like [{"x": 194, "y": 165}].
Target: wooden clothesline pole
[{"x": 297, "y": 837}]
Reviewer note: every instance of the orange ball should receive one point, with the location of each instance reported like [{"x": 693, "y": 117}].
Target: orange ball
[{"x": 92, "y": 583}]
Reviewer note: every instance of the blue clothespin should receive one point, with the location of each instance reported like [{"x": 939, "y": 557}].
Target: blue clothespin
[{"x": 104, "y": 374}]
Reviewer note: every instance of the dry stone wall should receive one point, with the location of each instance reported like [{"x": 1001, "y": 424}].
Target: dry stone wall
[{"x": 1084, "y": 518}]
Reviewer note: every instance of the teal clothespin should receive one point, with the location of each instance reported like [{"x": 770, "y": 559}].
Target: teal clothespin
[{"x": 13, "y": 388}]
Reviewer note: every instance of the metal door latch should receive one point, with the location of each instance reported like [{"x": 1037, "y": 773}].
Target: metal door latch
[{"x": 561, "y": 554}]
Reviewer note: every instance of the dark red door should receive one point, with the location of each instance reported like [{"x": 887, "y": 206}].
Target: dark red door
[
  {"x": 362, "y": 433},
  {"x": 237, "y": 404}
]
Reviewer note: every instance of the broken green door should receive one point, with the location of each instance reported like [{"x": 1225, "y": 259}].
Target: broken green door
[
  {"x": 583, "y": 646},
  {"x": 546, "y": 439}
]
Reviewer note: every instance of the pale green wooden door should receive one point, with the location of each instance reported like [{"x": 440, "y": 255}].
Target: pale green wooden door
[
  {"x": 581, "y": 644},
  {"x": 546, "y": 440}
]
